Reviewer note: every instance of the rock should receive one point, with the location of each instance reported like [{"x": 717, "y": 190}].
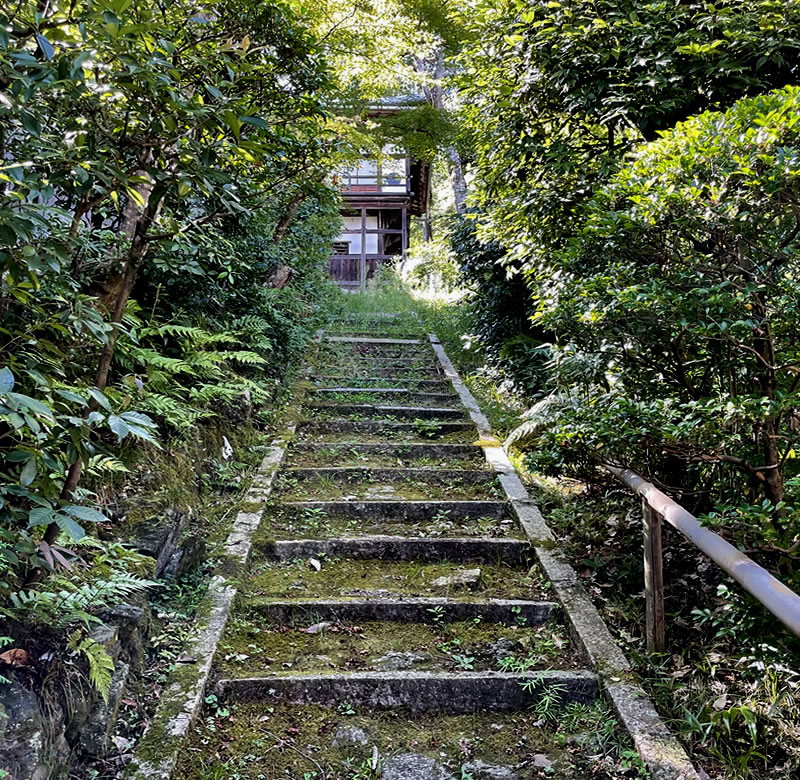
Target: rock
[
  {"x": 346, "y": 736},
  {"x": 190, "y": 554},
  {"x": 395, "y": 661},
  {"x": 132, "y": 624},
  {"x": 26, "y": 752},
  {"x": 465, "y": 578},
  {"x": 414, "y": 766},
  {"x": 237, "y": 411},
  {"x": 317, "y": 628},
  {"x": 96, "y": 734},
  {"x": 541, "y": 761},
  {"x": 480, "y": 770},
  {"x": 279, "y": 277},
  {"x": 158, "y": 537},
  {"x": 502, "y": 648}
]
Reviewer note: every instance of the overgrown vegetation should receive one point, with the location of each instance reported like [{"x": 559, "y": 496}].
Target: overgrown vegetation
[{"x": 164, "y": 231}]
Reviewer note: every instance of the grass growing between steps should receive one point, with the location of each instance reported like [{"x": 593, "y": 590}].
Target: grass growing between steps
[
  {"x": 254, "y": 646},
  {"x": 348, "y": 578},
  {"x": 289, "y": 523},
  {"x": 401, "y": 458},
  {"x": 277, "y": 741}
]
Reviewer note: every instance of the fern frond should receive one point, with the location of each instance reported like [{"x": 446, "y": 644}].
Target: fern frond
[
  {"x": 538, "y": 419},
  {"x": 101, "y": 664},
  {"x": 100, "y": 465}
]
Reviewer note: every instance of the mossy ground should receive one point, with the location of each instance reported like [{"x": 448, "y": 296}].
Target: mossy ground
[
  {"x": 277, "y": 741},
  {"x": 346, "y": 578},
  {"x": 388, "y": 434},
  {"x": 254, "y": 646},
  {"x": 326, "y": 488},
  {"x": 344, "y": 456},
  {"x": 281, "y": 522}
]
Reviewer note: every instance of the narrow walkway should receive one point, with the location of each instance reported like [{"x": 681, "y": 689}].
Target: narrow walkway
[{"x": 392, "y": 623}]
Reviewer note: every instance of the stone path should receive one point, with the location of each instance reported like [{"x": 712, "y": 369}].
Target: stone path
[{"x": 392, "y": 622}]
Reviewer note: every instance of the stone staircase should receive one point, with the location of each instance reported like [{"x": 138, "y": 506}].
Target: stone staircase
[{"x": 393, "y": 621}]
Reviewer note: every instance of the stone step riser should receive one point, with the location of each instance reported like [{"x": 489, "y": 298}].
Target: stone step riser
[
  {"x": 452, "y": 693},
  {"x": 411, "y": 610},
  {"x": 510, "y": 552},
  {"x": 409, "y": 510}
]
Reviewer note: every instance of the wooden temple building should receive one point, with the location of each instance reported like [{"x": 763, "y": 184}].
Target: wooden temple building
[{"x": 380, "y": 196}]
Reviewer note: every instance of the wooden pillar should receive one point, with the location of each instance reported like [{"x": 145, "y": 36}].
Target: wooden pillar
[
  {"x": 362, "y": 265},
  {"x": 653, "y": 578},
  {"x": 405, "y": 231}
]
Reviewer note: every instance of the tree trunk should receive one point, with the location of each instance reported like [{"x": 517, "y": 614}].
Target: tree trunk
[
  {"x": 136, "y": 222},
  {"x": 288, "y": 216},
  {"x": 455, "y": 170}
]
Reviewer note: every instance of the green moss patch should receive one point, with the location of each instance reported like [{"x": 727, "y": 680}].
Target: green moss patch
[
  {"x": 344, "y": 456},
  {"x": 343, "y": 578},
  {"x": 262, "y": 741},
  {"x": 281, "y": 522},
  {"x": 253, "y": 646},
  {"x": 334, "y": 489}
]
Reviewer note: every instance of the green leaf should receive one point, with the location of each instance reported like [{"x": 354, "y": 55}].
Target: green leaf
[
  {"x": 28, "y": 473},
  {"x": 118, "y": 426},
  {"x": 46, "y": 46},
  {"x": 86, "y": 513},
  {"x": 69, "y": 526},
  {"x": 101, "y": 398},
  {"x": 40, "y": 516},
  {"x": 6, "y": 379}
]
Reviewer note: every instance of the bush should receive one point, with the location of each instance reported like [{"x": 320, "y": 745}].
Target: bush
[{"x": 676, "y": 309}]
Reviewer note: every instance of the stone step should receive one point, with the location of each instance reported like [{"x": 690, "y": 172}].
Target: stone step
[
  {"x": 429, "y": 475},
  {"x": 412, "y": 412},
  {"x": 432, "y": 372},
  {"x": 408, "y": 610},
  {"x": 444, "y": 451},
  {"x": 371, "y": 340},
  {"x": 510, "y": 552},
  {"x": 410, "y": 510},
  {"x": 448, "y": 692},
  {"x": 405, "y": 393},
  {"x": 463, "y": 432},
  {"x": 418, "y": 385}
]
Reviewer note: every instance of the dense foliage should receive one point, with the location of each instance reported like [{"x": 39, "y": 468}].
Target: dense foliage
[{"x": 161, "y": 164}]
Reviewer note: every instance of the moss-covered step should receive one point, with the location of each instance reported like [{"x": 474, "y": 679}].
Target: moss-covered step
[
  {"x": 361, "y": 483},
  {"x": 288, "y": 522},
  {"x": 339, "y": 411},
  {"x": 345, "y": 742},
  {"x": 371, "y": 395},
  {"x": 371, "y": 370},
  {"x": 386, "y": 455},
  {"x": 253, "y": 645},
  {"x": 512, "y": 552},
  {"x": 369, "y": 340},
  {"x": 433, "y": 610},
  {"x": 408, "y": 510},
  {"x": 376, "y": 383},
  {"x": 374, "y": 431},
  {"x": 361, "y": 579},
  {"x": 398, "y": 365},
  {"x": 448, "y": 692}
]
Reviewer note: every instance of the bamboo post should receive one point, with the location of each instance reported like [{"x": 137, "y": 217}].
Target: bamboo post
[{"x": 653, "y": 578}]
